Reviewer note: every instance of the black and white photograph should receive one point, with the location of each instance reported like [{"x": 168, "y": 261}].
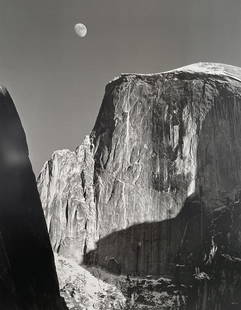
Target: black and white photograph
[{"x": 120, "y": 155}]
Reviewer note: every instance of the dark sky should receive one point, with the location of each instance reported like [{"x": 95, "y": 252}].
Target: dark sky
[{"x": 57, "y": 79}]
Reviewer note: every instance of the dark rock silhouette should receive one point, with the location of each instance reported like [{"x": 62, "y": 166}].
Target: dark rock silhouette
[{"x": 28, "y": 278}]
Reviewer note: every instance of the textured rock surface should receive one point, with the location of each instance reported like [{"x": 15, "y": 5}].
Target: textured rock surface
[
  {"x": 27, "y": 271},
  {"x": 159, "y": 139},
  {"x": 166, "y": 151},
  {"x": 67, "y": 194}
]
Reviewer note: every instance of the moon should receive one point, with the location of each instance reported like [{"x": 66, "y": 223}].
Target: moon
[{"x": 80, "y": 30}]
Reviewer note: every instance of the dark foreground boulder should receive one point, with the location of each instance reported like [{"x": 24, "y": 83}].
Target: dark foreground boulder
[{"x": 27, "y": 271}]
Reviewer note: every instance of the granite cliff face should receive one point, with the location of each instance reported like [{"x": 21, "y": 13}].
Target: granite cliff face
[
  {"x": 67, "y": 194},
  {"x": 27, "y": 271},
  {"x": 162, "y": 159}
]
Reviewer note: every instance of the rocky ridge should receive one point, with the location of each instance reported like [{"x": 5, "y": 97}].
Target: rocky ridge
[{"x": 67, "y": 194}]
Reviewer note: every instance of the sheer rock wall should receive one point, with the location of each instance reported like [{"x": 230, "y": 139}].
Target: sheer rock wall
[{"x": 165, "y": 154}]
